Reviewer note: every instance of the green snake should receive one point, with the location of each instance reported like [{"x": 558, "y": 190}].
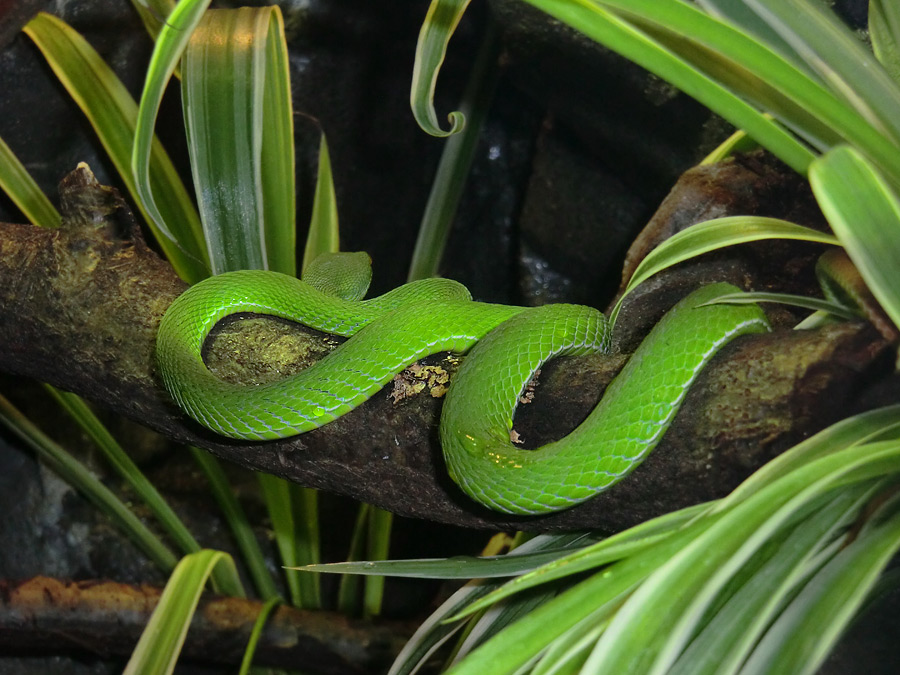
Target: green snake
[{"x": 505, "y": 345}]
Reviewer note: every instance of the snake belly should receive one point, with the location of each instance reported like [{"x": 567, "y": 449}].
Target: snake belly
[{"x": 505, "y": 346}]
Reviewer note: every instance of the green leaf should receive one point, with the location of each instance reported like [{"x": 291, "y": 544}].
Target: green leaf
[
  {"x": 153, "y": 13},
  {"x": 744, "y": 65},
  {"x": 296, "y": 536},
  {"x": 864, "y": 213},
  {"x": 114, "y": 116},
  {"x": 441, "y": 625},
  {"x": 815, "y": 304},
  {"x": 878, "y": 424},
  {"x": 237, "y": 109},
  {"x": 829, "y": 48},
  {"x": 659, "y": 619},
  {"x": 236, "y": 518},
  {"x": 628, "y": 543},
  {"x": 76, "y": 475},
  {"x": 712, "y": 235},
  {"x": 458, "y": 567},
  {"x": 270, "y": 605},
  {"x": 129, "y": 471},
  {"x": 160, "y": 644},
  {"x": 18, "y": 184},
  {"x": 441, "y": 20},
  {"x": 437, "y": 629},
  {"x": 884, "y": 30},
  {"x": 604, "y": 26},
  {"x": 456, "y": 160},
  {"x": 762, "y": 587},
  {"x": 324, "y": 229},
  {"x": 801, "y": 638},
  {"x": 170, "y": 43}
]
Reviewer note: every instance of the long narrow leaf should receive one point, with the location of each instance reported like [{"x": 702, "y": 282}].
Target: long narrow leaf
[
  {"x": 735, "y": 627},
  {"x": 18, "y": 184},
  {"x": 458, "y": 567},
  {"x": 170, "y": 43},
  {"x": 157, "y": 651},
  {"x": 605, "y": 27},
  {"x": 441, "y": 625},
  {"x": 456, "y": 159},
  {"x": 712, "y": 235},
  {"x": 814, "y": 304},
  {"x": 829, "y": 47},
  {"x": 324, "y": 229},
  {"x": 241, "y": 530},
  {"x": 126, "y": 468},
  {"x": 663, "y": 613},
  {"x": 440, "y": 22},
  {"x": 114, "y": 116},
  {"x": 864, "y": 213},
  {"x": 807, "y": 631},
  {"x": 884, "y": 29},
  {"x": 236, "y": 100},
  {"x": 74, "y": 473}
]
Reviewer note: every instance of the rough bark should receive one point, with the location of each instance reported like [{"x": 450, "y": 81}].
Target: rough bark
[
  {"x": 79, "y": 308},
  {"x": 106, "y": 618}
]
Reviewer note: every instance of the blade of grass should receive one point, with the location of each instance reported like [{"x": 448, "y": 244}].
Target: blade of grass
[
  {"x": 160, "y": 643},
  {"x": 74, "y": 473},
  {"x": 18, "y": 184},
  {"x": 440, "y": 22},
  {"x": 864, "y": 213},
  {"x": 237, "y": 521},
  {"x": 114, "y": 116}
]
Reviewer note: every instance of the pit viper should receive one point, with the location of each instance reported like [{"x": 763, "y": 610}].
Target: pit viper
[{"x": 504, "y": 345}]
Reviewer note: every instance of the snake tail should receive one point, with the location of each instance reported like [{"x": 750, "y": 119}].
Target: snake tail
[{"x": 636, "y": 410}]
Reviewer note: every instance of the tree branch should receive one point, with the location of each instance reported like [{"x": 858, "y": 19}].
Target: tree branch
[
  {"x": 105, "y": 618},
  {"x": 80, "y": 306}
]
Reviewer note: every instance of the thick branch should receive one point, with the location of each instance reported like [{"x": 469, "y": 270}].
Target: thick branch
[
  {"x": 79, "y": 308},
  {"x": 108, "y": 618}
]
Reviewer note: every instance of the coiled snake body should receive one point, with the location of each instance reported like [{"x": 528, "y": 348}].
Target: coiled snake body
[{"x": 505, "y": 345}]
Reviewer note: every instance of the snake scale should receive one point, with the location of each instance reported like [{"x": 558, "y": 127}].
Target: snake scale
[{"x": 505, "y": 345}]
